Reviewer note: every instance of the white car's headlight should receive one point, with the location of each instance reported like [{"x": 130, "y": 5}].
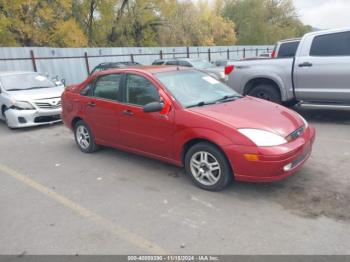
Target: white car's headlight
[
  {"x": 22, "y": 105},
  {"x": 262, "y": 137}
]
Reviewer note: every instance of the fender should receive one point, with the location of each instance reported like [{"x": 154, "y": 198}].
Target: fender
[
  {"x": 274, "y": 78},
  {"x": 187, "y": 135}
]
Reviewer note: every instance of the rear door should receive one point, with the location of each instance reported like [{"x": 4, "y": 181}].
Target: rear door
[
  {"x": 322, "y": 69},
  {"x": 102, "y": 108},
  {"x": 150, "y": 133},
  {"x": 288, "y": 49}
]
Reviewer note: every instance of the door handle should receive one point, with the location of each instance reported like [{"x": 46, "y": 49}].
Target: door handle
[
  {"x": 305, "y": 64},
  {"x": 91, "y": 104},
  {"x": 128, "y": 113}
]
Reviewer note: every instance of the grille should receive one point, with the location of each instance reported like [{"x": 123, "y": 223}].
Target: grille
[
  {"x": 47, "y": 105},
  {"x": 45, "y": 119}
]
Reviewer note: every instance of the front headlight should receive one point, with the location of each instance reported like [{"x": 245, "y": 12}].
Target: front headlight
[
  {"x": 306, "y": 124},
  {"x": 21, "y": 105},
  {"x": 262, "y": 137}
]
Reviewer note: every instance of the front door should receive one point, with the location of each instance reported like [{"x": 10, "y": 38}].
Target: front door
[
  {"x": 150, "y": 133},
  {"x": 323, "y": 73}
]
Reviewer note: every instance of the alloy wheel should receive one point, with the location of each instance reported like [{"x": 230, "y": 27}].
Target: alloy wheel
[
  {"x": 205, "y": 168},
  {"x": 83, "y": 137}
]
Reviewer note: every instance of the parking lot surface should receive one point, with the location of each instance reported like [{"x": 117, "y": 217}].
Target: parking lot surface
[{"x": 56, "y": 200}]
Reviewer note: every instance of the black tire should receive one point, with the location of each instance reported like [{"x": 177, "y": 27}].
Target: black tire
[
  {"x": 226, "y": 175},
  {"x": 92, "y": 146},
  {"x": 290, "y": 103},
  {"x": 5, "y": 118},
  {"x": 267, "y": 92}
]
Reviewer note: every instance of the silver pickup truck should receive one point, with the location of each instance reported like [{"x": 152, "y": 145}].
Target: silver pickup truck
[{"x": 318, "y": 74}]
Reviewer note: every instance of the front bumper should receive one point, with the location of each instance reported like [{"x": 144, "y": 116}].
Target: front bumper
[
  {"x": 26, "y": 118},
  {"x": 272, "y": 160}
]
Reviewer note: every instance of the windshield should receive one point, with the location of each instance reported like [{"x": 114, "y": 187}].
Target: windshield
[
  {"x": 194, "y": 88},
  {"x": 201, "y": 64},
  {"x": 18, "y": 82}
]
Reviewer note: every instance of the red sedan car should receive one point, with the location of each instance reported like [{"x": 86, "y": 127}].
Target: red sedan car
[{"x": 188, "y": 118}]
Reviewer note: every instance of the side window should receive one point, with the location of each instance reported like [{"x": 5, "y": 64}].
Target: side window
[
  {"x": 184, "y": 63},
  {"x": 331, "y": 45},
  {"x": 96, "y": 69},
  {"x": 172, "y": 62},
  {"x": 288, "y": 49},
  {"x": 107, "y": 87},
  {"x": 86, "y": 90},
  {"x": 140, "y": 91},
  {"x": 158, "y": 63}
]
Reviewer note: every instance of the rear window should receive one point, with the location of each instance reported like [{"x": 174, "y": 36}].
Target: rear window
[
  {"x": 288, "y": 49},
  {"x": 158, "y": 63},
  {"x": 337, "y": 44},
  {"x": 172, "y": 63}
]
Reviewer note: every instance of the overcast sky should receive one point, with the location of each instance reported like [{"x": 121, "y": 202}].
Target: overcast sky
[{"x": 324, "y": 14}]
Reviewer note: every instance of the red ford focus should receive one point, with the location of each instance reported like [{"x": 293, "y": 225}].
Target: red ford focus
[{"x": 188, "y": 118}]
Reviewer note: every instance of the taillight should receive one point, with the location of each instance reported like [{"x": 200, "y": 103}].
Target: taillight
[
  {"x": 273, "y": 55},
  {"x": 229, "y": 69}
]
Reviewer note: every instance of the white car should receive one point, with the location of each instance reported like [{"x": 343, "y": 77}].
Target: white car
[{"x": 29, "y": 99}]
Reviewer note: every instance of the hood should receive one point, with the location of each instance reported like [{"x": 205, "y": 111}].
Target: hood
[
  {"x": 249, "y": 112},
  {"x": 36, "y": 94}
]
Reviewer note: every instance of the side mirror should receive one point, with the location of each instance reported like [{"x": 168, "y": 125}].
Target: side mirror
[
  {"x": 153, "y": 107},
  {"x": 63, "y": 81}
]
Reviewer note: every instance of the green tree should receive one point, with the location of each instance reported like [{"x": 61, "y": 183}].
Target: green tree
[
  {"x": 186, "y": 23},
  {"x": 39, "y": 23},
  {"x": 264, "y": 21},
  {"x": 75, "y": 23},
  {"x": 136, "y": 23}
]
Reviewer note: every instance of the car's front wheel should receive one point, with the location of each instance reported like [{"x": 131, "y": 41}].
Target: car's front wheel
[
  {"x": 208, "y": 167},
  {"x": 5, "y": 117},
  {"x": 84, "y": 137}
]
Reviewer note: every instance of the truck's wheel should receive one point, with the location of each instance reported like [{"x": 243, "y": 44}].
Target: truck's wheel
[
  {"x": 290, "y": 103},
  {"x": 267, "y": 92}
]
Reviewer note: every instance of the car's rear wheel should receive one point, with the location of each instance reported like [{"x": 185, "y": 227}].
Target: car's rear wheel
[
  {"x": 267, "y": 92},
  {"x": 84, "y": 137},
  {"x": 208, "y": 167}
]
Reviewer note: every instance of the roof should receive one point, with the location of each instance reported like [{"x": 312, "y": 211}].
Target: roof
[
  {"x": 329, "y": 31},
  {"x": 4, "y": 73},
  {"x": 290, "y": 40},
  {"x": 151, "y": 69},
  {"x": 178, "y": 58}
]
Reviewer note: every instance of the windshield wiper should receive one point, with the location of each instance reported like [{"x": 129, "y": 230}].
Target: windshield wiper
[
  {"x": 14, "y": 89},
  {"x": 38, "y": 87},
  {"x": 202, "y": 103},
  {"x": 30, "y": 88},
  {"x": 228, "y": 98}
]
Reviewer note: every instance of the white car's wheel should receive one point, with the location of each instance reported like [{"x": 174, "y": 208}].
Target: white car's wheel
[{"x": 5, "y": 118}]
